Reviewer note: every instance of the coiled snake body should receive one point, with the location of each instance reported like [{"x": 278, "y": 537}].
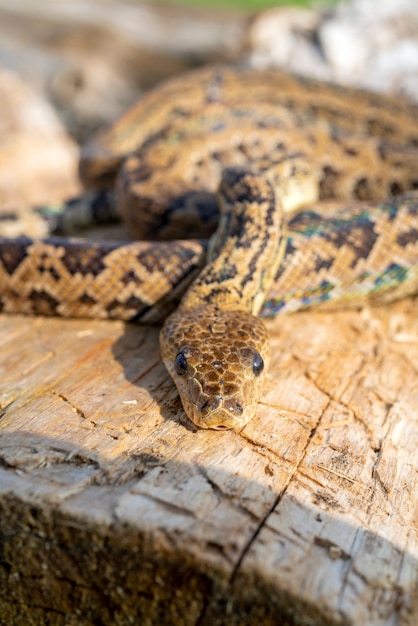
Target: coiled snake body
[{"x": 276, "y": 143}]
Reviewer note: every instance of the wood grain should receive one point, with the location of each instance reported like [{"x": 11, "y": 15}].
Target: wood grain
[{"x": 117, "y": 510}]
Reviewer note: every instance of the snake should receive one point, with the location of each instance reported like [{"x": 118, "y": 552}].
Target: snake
[{"x": 248, "y": 194}]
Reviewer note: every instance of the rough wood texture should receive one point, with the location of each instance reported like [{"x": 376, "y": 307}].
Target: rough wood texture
[{"x": 116, "y": 510}]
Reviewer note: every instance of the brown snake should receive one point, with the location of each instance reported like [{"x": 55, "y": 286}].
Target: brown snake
[{"x": 276, "y": 142}]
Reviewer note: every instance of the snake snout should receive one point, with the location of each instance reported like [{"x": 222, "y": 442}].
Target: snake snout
[{"x": 221, "y": 412}]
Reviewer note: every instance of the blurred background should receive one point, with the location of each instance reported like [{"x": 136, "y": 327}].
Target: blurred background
[{"x": 67, "y": 68}]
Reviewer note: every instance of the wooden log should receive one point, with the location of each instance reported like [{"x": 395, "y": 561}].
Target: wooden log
[{"x": 115, "y": 509}]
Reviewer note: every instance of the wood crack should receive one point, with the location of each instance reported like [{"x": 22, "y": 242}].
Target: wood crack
[
  {"x": 276, "y": 502},
  {"x": 74, "y": 408}
]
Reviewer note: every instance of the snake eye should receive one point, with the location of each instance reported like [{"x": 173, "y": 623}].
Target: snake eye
[
  {"x": 180, "y": 364},
  {"x": 258, "y": 364}
]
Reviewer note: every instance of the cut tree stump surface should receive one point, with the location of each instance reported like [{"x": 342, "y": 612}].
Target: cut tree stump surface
[{"x": 116, "y": 510}]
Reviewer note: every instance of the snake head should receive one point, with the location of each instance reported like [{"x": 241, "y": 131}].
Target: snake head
[{"x": 217, "y": 360}]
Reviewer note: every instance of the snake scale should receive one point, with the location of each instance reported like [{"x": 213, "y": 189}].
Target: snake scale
[{"x": 254, "y": 151}]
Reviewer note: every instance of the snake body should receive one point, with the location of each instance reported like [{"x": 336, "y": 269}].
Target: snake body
[{"x": 272, "y": 143}]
